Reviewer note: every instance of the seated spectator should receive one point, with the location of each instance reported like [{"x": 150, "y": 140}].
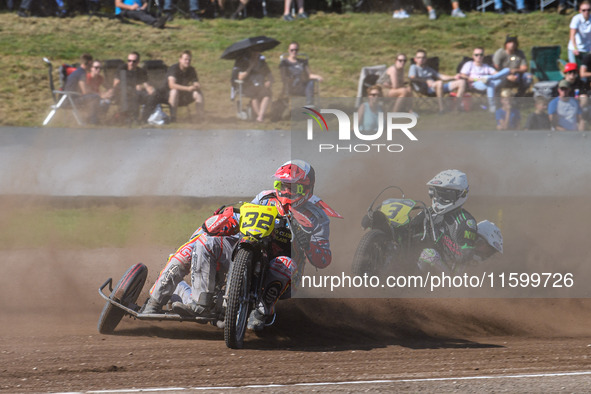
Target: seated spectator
[
  {"x": 482, "y": 77},
  {"x": 435, "y": 80},
  {"x": 183, "y": 86},
  {"x": 296, "y": 76},
  {"x": 137, "y": 10},
  {"x": 579, "y": 87},
  {"x": 392, "y": 83},
  {"x": 96, "y": 84},
  {"x": 564, "y": 111},
  {"x": 508, "y": 116},
  {"x": 257, "y": 79},
  {"x": 539, "y": 120},
  {"x": 510, "y": 56},
  {"x": 368, "y": 112},
  {"x": 137, "y": 89},
  {"x": 86, "y": 99}
]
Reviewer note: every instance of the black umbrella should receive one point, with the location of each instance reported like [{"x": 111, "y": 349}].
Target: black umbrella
[{"x": 252, "y": 44}]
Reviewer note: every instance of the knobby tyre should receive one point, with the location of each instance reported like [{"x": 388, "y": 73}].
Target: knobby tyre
[
  {"x": 371, "y": 254},
  {"x": 126, "y": 292},
  {"x": 238, "y": 305}
]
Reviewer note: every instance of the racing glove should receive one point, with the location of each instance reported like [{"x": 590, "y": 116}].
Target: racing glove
[{"x": 302, "y": 237}]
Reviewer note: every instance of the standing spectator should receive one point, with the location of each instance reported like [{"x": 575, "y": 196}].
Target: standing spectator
[
  {"x": 253, "y": 70},
  {"x": 137, "y": 90},
  {"x": 435, "y": 80},
  {"x": 539, "y": 120},
  {"x": 564, "y": 111},
  {"x": 76, "y": 82},
  {"x": 520, "y": 4},
  {"x": 296, "y": 76},
  {"x": 510, "y": 56},
  {"x": 368, "y": 112},
  {"x": 137, "y": 10},
  {"x": 193, "y": 10},
  {"x": 95, "y": 82},
  {"x": 183, "y": 86},
  {"x": 287, "y": 10},
  {"x": 456, "y": 12},
  {"x": 508, "y": 116},
  {"x": 483, "y": 77},
  {"x": 392, "y": 83},
  {"x": 579, "y": 42}
]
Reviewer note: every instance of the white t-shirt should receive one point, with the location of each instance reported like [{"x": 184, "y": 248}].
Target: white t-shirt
[
  {"x": 473, "y": 71},
  {"x": 582, "y": 34}
]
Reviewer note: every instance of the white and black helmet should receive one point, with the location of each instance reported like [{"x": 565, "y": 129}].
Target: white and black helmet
[
  {"x": 492, "y": 234},
  {"x": 448, "y": 190}
]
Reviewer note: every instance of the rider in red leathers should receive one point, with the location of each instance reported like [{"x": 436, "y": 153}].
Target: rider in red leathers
[{"x": 209, "y": 251}]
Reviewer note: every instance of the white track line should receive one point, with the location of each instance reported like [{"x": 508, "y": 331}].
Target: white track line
[{"x": 263, "y": 386}]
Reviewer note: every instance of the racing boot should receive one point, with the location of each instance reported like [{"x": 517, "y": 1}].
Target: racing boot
[
  {"x": 152, "y": 306},
  {"x": 256, "y": 320},
  {"x": 194, "y": 309}
]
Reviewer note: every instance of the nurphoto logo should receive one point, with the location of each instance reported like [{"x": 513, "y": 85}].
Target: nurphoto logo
[{"x": 394, "y": 122}]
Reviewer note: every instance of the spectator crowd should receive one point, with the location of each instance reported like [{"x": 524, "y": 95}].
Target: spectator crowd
[{"x": 500, "y": 77}]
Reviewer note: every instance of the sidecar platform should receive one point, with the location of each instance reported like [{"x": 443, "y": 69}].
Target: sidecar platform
[{"x": 133, "y": 310}]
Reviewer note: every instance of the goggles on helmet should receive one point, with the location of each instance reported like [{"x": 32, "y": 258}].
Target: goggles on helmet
[
  {"x": 289, "y": 188},
  {"x": 445, "y": 196}
]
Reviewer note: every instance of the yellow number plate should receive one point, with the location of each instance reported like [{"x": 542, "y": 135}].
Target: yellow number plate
[{"x": 257, "y": 220}]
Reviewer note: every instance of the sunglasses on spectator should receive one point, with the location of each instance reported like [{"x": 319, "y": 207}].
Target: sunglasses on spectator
[
  {"x": 373, "y": 94},
  {"x": 293, "y": 49},
  {"x": 563, "y": 88},
  {"x": 479, "y": 54},
  {"x": 585, "y": 9},
  {"x": 401, "y": 60},
  {"x": 131, "y": 60},
  {"x": 97, "y": 67},
  {"x": 572, "y": 72}
]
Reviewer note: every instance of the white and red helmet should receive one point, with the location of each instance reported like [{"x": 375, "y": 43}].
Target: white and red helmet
[{"x": 294, "y": 182}]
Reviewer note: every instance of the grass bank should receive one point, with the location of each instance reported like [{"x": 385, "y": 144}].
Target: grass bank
[{"x": 338, "y": 46}]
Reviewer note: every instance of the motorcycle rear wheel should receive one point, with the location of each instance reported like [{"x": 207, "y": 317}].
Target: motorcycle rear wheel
[
  {"x": 238, "y": 306},
  {"x": 126, "y": 292},
  {"x": 371, "y": 254}
]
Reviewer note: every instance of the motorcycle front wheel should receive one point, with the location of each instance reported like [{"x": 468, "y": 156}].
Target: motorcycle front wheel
[
  {"x": 238, "y": 303},
  {"x": 126, "y": 292},
  {"x": 371, "y": 256}
]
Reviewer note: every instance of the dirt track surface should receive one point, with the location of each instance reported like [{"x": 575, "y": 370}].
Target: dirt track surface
[{"x": 49, "y": 340}]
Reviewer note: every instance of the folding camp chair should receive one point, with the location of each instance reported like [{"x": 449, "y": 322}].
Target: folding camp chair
[
  {"x": 236, "y": 95},
  {"x": 368, "y": 77},
  {"x": 546, "y": 64},
  {"x": 287, "y": 91},
  {"x": 61, "y": 99},
  {"x": 156, "y": 70}
]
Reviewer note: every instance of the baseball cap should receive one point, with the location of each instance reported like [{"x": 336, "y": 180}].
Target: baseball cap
[
  {"x": 570, "y": 67},
  {"x": 564, "y": 84}
]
